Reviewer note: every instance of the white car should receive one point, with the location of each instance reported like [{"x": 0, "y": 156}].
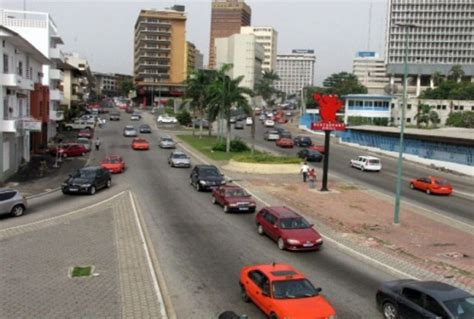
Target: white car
[
  {"x": 248, "y": 121},
  {"x": 367, "y": 163},
  {"x": 269, "y": 123},
  {"x": 166, "y": 119}
]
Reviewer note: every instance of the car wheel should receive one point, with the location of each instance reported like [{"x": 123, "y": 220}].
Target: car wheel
[
  {"x": 389, "y": 311},
  {"x": 243, "y": 294},
  {"x": 92, "y": 190},
  {"x": 198, "y": 186},
  {"x": 281, "y": 243},
  {"x": 109, "y": 183},
  {"x": 226, "y": 209},
  {"x": 273, "y": 316},
  {"x": 412, "y": 186},
  {"x": 83, "y": 154},
  {"x": 362, "y": 168},
  {"x": 17, "y": 210},
  {"x": 213, "y": 200},
  {"x": 428, "y": 191},
  {"x": 260, "y": 229}
]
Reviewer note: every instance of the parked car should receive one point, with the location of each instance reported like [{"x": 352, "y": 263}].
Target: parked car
[
  {"x": 432, "y": 185},
  {"x": 85, "y": 133},
  {"x": 139, "y": 143},
  {"x": 205, "y": 177},
  {"x": 144, "y": 128},
  {"x": 196, "y": 123},
  {"x": 271, "y": 135},
  {"x": 68, "y": 150},
  {"x": 113, "y": 163},
  {"x": 408, "y": 298},
  {"x": 80, "y": 125},
  {"x": 280, "y": 120},
  {"x": 303, "y": 141},
  {"x": 284, "y": 142},
  {"x": 367, "y": 163},
  {"x": 166, "y": 119},
  {"x": 179, "y": 159},
  {"x": 318, "y": 148},
  {"x": 285, "y": 134},
  {"x": 248, "y": 121},
  {"x": 87, "y": 180},
  {"x": 262, "y": 117},
  {"x": 281, "y": 291},
  {"x": 135, "y": 116},
  {"x": 167, "y": 142},
  {"x": 86, "y": 142},
  {"x": 239, "y": 125},
  {"x": 115, "y": 116},
  {"x": 233, "y": 199},
  {"x": 129, "y": 110},
  {"x": 129, "y": 131},
  {"x": 269, "y": 123},
  {"x": 290, "y": 230},
  {"x": 12, "y": 202},
  {"x": 310, "y": 155},
  {"x": 233, "y": 119}
]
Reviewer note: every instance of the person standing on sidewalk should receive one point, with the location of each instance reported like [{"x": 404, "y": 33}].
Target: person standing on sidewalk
[
  {"x": 97, "y": 143},
  {"x": 304, "y": 170},
  {"x": 312, "y": 178}
]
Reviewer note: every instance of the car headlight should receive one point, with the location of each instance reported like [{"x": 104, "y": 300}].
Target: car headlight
[
  {"x": 64, "y": 184},
  {"x": 252, "y": 204},
  {"x": 233, "y": 205},
  {"x": 293, "y": 241},
  {"x": 222, "y": 182},
  {"x": 86, "y": 185},
  {"x": 319, "y": 240},
  {"x": 203, "y": 182},
  {"x": 333, "y": 317}
]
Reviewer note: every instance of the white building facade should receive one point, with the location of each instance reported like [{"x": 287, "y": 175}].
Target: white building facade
[
  {"x": 371, "y": 71},
  {"x": 295, "y": 70},
  {"x": 39, "y": 29},
  {"x": 245, "y": 54},
  {"x": 21, "y": 67},
  {"x": 268, "y": 38}
]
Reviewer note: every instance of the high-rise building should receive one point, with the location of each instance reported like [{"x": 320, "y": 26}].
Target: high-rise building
[
  {"x": 199, "y": 60},
  {"x": 371, "y": 71},
  {"x": 190, "y": 58},
  {"x": 268, "y": 38},
  {"x": 227, "y": 16},
  {"x": 159, "y": 55},
  {"x": 245, "y": 54},
  {"x": 296, "y": 70},
  {"x": 443, "y": 36}
]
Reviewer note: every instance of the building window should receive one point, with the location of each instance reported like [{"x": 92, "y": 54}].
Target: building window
[
  {"x": 20, "y": 68},
  {"x": 408, "y": 120},
  {"x": 461, "y": 107},
  {"x": 408, "y": 106},
  {"x": 5, "y": 63},
  {"x": 444, "y": 107}
]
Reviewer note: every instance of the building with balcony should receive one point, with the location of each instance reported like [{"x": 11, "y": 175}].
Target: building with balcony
[
  {"x": 245, "y": 54},
  {"x": 20, "y": 81},
  {"x": 227, "y": 16},
  {"x": 190, "y": 58},
  {"x": 78, "y": 81},
  {"x": 296, "y": 70},
  {"x": 159, "y": 55},
  {"x": 442, "y": 37},
  {"x": 268, "y": 38},
  {"x": 39, "y": 29}
]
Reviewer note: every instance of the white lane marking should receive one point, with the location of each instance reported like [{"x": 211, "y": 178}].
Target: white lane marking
[
  {"x": 342, "y": 246},
  {"x": 149, "y": 262}
]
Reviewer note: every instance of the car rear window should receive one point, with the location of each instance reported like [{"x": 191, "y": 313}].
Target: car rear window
[
  {"x": 374, "y": 161},
  {"x": 441, "y": 181}
]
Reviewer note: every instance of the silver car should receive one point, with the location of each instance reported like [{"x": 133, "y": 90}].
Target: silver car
[
  {"x": 179, "y": 159},
  {"x": 130, "y": 131},
  {"x": 167, "y": 142},
  {"x": 12, "y": 202}
]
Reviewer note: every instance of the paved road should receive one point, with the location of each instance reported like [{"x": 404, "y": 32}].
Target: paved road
[
  {"x": 457, "y": 206},
  {"x": 201, "y": 249}
]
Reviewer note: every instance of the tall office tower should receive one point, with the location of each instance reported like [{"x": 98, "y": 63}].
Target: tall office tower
[
  {"x": 295, "y": 70},
  {"x": 442, "y": 36},
  {"x": 160, "y": 49},
  {"x": 371, "y": 71},
  {"x": 227, "y": 16},
  {"x": 268, "y": 38}
]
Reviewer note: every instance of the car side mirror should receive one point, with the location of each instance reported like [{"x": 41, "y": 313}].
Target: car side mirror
[
  {"x": 275, "y": 226},
  {"x": 318, "y": 290}
]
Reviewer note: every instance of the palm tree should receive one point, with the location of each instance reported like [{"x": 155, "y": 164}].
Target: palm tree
[
  {"x": 226, "y": 93},
  {"x": 197, "y": 88},
  {"x": 422, "y": 115},
  {"x": 438, "y": 77}
]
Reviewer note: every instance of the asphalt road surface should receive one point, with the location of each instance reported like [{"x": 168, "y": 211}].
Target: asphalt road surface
[
  {"x": 457, "y": 206},
  {"x": 201, "y": 249}
]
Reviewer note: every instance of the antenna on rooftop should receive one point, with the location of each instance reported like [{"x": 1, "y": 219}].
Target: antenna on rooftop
[{"x": 370, "y": 26}]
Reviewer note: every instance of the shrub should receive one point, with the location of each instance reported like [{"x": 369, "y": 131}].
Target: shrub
[
  {"x": 461, "y": 119},
  {"x": 267, "y": 158},
  {"x": 184, "y": 118},
  {"x": 236, "y": 146}
]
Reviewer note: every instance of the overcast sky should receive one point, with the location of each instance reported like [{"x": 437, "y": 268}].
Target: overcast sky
[{"x": 102, "y": 30}]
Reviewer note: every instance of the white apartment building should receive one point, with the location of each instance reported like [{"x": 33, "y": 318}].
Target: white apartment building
[
  {"x": 105, "y": 83},
  {"x": 78, "y": 80},
  {"x": 296, "y": 70},
  {"x": 21, "y": 67},
  {"x": 39, "y": 29},
  {"x": 442, "y": 37},
  {"x": 371, "y": 71},
  {"x": 245, "y": 54},
  {"x": 268, "y": 38}
]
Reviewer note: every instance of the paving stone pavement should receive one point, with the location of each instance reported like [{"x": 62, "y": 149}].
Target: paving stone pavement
[{"x": 35, "y": 260}]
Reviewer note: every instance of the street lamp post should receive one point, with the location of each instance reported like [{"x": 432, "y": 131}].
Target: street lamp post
[{"x": 396, "y": 215}]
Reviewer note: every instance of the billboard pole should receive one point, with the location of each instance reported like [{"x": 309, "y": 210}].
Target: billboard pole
[{"x": 327, "y": 137}]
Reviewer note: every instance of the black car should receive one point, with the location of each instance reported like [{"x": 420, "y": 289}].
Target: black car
[
  {"x": 303, "y": 141},
  {"x": 205, "y": 177},
  {"x": 114, "y": 116},
  {"x": 423, "y": 299},
  {"x": 87, "y": 180},
  {"x": 144, "y": 128},
  {"x": 239, "y": 126},
  {"x": 310, "y": 155}
]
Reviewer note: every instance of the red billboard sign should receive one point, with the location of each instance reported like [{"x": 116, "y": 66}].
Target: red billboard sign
[{"x": 328, "y": 107}]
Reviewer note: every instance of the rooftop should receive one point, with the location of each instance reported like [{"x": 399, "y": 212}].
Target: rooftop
[{"x": 446, "y": 132}]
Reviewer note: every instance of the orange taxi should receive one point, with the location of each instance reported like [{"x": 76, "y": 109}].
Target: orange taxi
[
  {"x": 285, "y": 142},
  {"x": 113, "y": 163},
  {"x": 432, "y": 185},
  {"x": 281, "y": 291},
  {"x": 140, "y": 144}
]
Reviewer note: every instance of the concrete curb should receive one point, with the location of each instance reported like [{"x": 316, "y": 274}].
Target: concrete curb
[
  {"x": 258, "y": 168},
  {"x": 53, "y": 190}
]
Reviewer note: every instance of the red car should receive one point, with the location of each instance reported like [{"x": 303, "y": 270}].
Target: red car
[
  {"x": 281, "y": 291},
  {"x": 432, "y": 185},
  {"x": 285, "y": 142},
  {"x": 281, "y": 120},
  {"x": 140, "y": 144},
  {"x": 69, "y": 150},
  {"x": 233, "y": 198},
  {"x": 290, "y": 230},
  {"x": 85, "y": 133},
  {"x": 113, "y": 163},
  {"x": 320, "y": 148}
]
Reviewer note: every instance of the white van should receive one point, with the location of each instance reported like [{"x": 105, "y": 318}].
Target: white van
[{"x": 367, "y": 163}]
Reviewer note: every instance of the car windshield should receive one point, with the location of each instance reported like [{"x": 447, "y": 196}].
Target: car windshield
[
  {"x": 179, "y": 156},
  {"x": 236, "y": 193},
  {"x": 84, "y": 174},
  {"x": 113, "y": 160},
  {"x": 462, "y": 308},
  {"x": 294, "y": 223},
  {"x": 166, "y": 139},
  {"x": 305, "y": 139},
  {"x": 290, "y": 289},
  {"x": 441, "y": 182},
  {"x": 209, "y": 172}
]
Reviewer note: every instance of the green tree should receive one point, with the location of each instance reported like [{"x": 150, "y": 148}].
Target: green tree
[
  {"x": 343, "y": 83},
  {"x": 197, "y": 89},
  {"x": 461, "y": 119},
  {"x": 265, "y": 87},
  {"x": 438, "y": 78},
  {"x": 126, "y": 86},
  {"x": 426, "y": 115},
  {"x": 184, "y": 117},
  {"x": 456, "y": 73}
]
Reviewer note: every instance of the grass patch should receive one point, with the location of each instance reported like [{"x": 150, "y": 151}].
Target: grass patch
[
  {"x": 81, "y": 271},
  {"x": 265, "y": 158}
]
